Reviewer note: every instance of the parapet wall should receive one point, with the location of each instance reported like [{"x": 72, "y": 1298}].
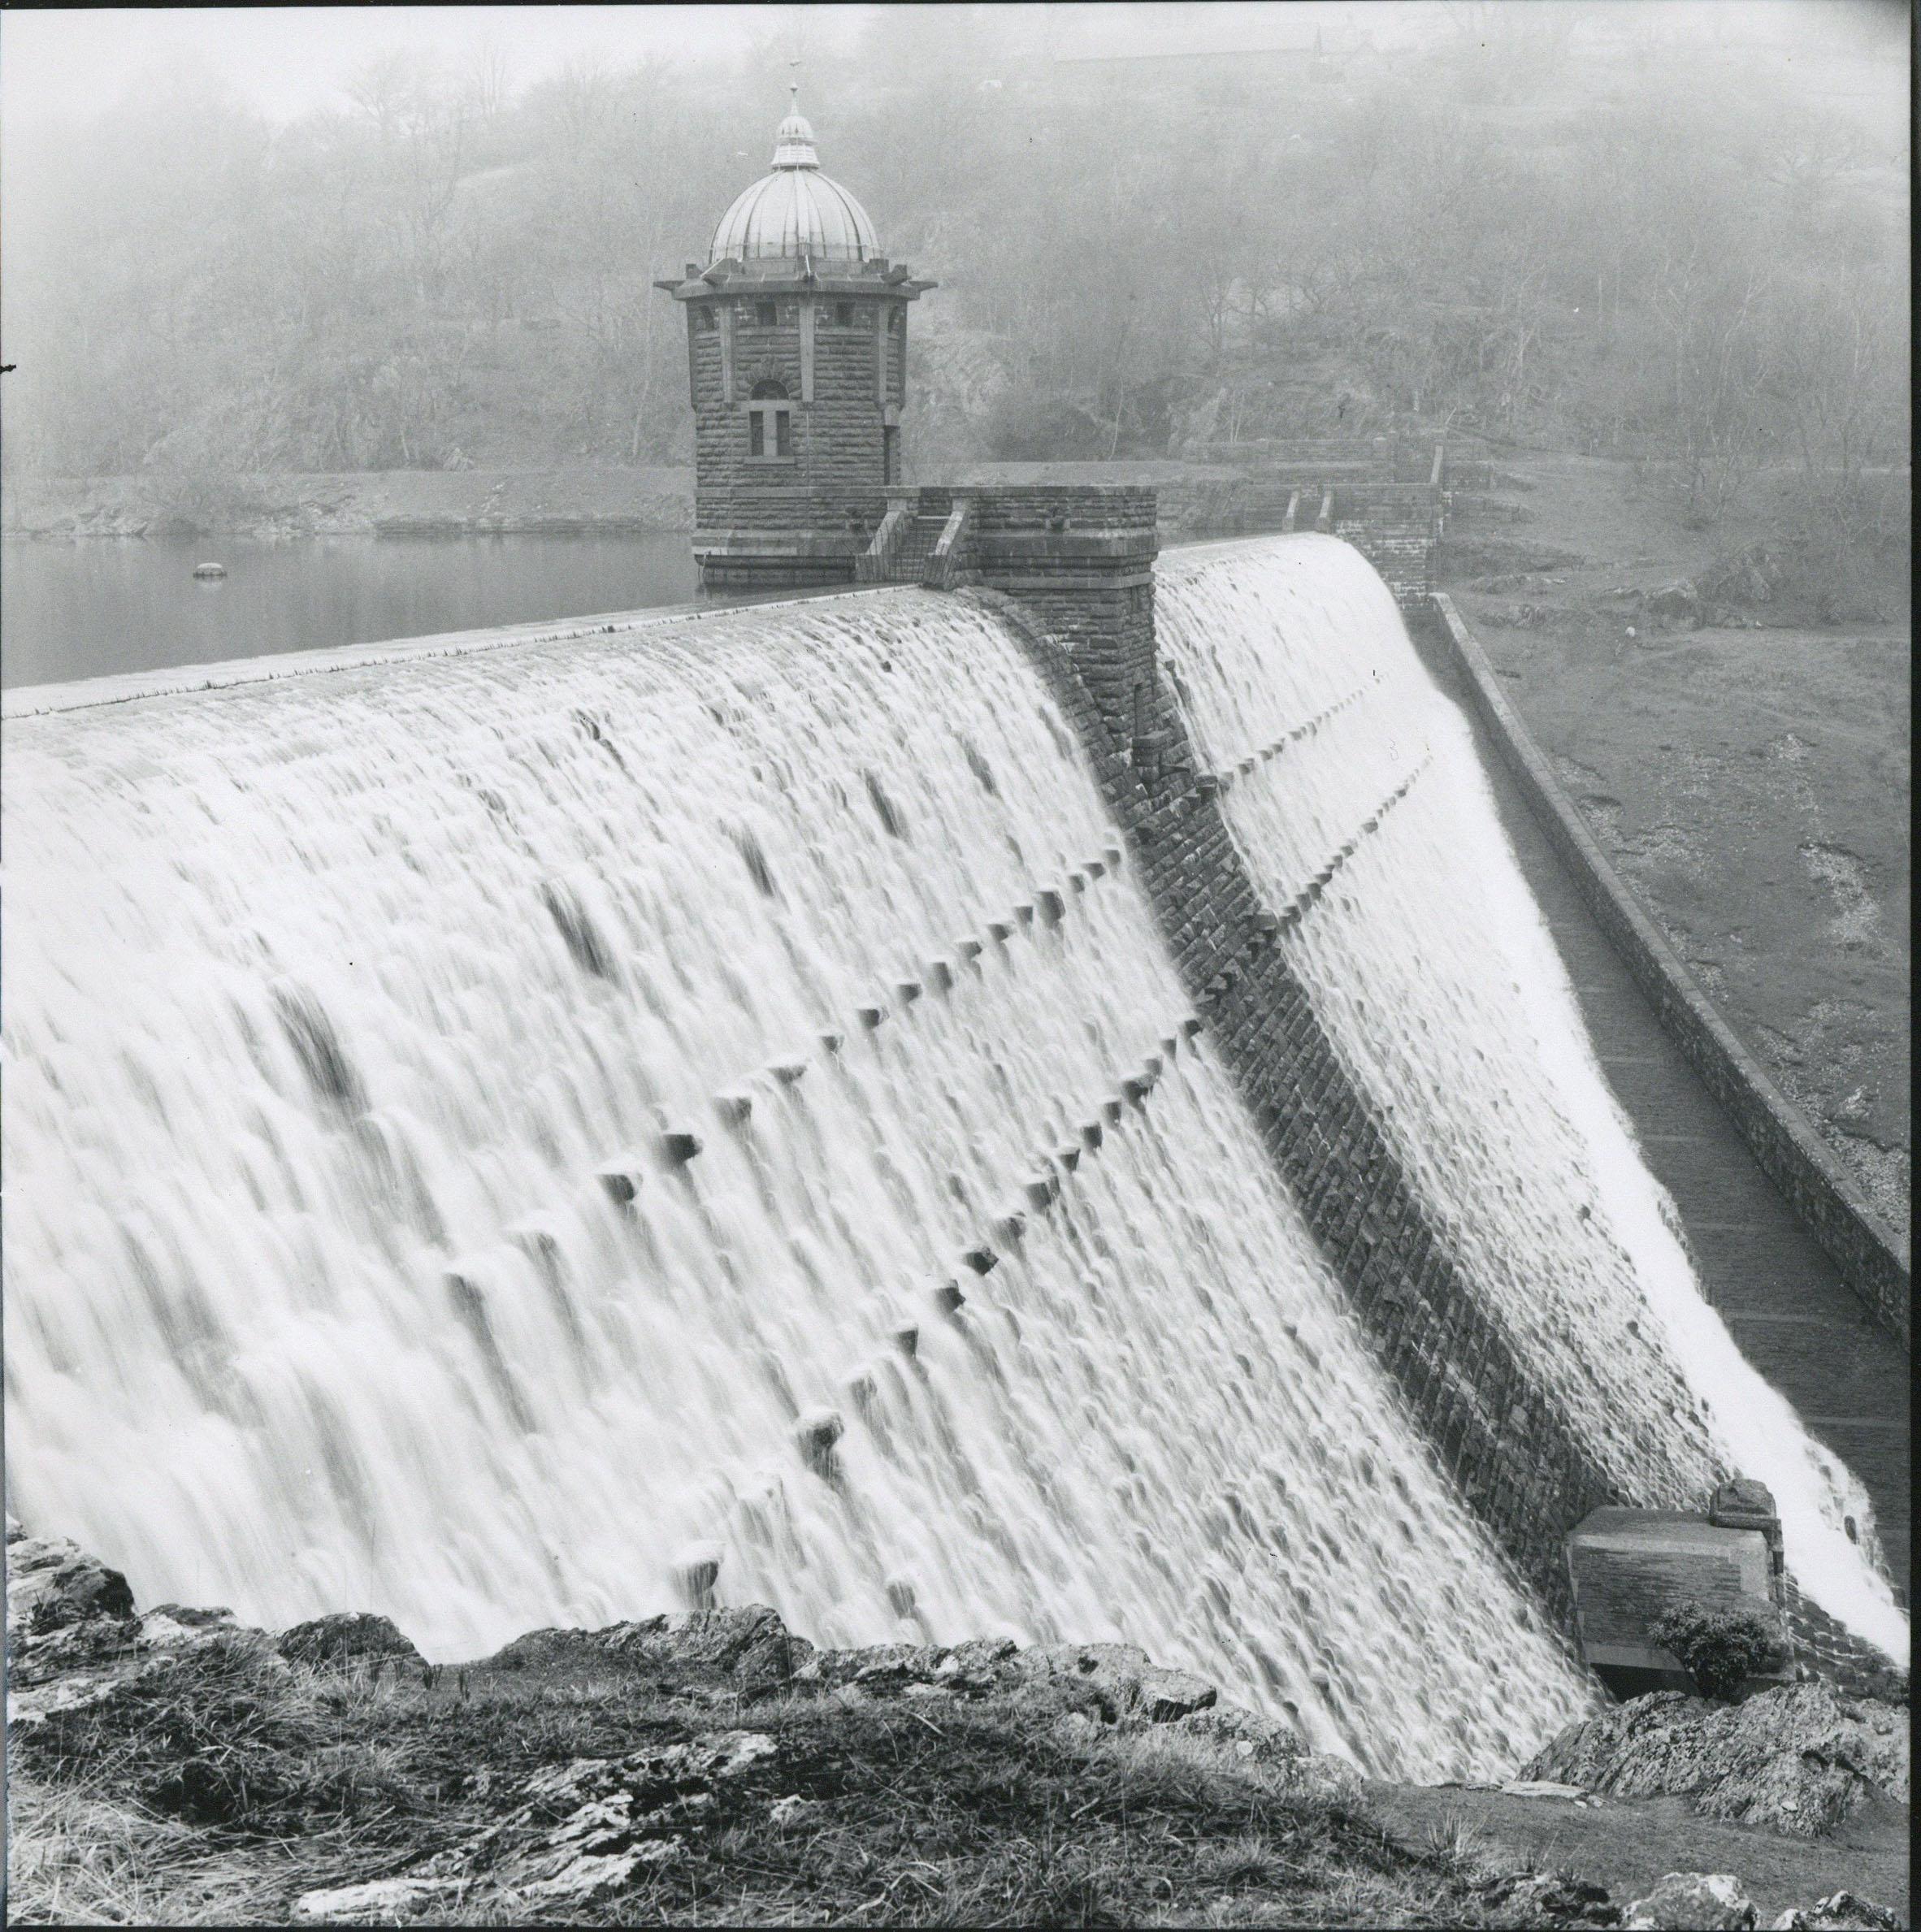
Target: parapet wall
[{"x": 1871, "y": 1259}]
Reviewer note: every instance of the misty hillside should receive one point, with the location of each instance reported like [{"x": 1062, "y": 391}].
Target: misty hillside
[{"x": 1599, "y": 228}]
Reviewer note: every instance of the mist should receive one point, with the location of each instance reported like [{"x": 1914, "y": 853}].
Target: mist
[{"x": 347, "y": 239}]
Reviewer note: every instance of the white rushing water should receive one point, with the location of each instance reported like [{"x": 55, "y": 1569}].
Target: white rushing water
[
  {"x": 1430, "y": 964},
  {"x": 351, "y": 1265}
]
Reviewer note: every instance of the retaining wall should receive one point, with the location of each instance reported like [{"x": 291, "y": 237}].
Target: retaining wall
[
  {"x": 1872, "y": 1260},
  {"x": 1395, "y": 526}
]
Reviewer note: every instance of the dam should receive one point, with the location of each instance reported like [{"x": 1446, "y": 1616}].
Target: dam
[{"x": 788, "y": 1106}]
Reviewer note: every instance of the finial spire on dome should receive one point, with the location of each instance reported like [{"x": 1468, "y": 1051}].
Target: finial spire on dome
[
  {"x": 795, "y": 213},
  {"x": 793, "y": 140}
]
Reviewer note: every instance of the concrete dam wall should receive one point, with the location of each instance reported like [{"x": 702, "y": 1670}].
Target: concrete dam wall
[{"x": 937, "y": 1114}]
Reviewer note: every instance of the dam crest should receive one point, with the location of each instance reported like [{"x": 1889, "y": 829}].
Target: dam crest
[{"x": 1044, "y": 1108}]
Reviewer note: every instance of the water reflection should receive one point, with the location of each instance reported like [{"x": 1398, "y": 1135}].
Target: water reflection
[{"x": 92, "y": 608}]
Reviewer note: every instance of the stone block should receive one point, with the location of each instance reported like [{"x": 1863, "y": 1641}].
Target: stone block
[{"x": 1628, "y": 1566}]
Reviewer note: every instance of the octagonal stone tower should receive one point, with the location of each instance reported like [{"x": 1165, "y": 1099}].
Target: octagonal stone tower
[{"x": 797, "y": 366}]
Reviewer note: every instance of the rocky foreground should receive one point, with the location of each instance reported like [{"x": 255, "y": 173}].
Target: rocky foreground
[
  {"x": 1799, "y": 1760},
  {"x": 715, "y": 1768}
]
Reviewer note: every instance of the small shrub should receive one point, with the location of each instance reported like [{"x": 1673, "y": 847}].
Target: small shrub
[
  {"x": 1720, "y": 1649},
  {"x": 201, "y": 502},
  {"x": 1457, "y": 1846}
]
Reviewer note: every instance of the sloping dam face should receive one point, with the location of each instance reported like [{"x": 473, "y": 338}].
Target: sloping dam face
[{"x": 492, "y": 1137}]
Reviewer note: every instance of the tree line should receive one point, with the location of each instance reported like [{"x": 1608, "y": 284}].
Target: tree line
[{"x": 1617, "y": 252}]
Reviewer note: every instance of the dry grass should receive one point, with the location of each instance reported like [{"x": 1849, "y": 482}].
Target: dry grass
[
  {"x": 218, "y": 1788},
  {"x": 1627, "y": 1844},
  {"x": 77, "y": 1855}
]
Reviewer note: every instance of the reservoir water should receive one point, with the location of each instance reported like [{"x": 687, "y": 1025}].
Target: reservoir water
[{"x": 105, "y": 605}]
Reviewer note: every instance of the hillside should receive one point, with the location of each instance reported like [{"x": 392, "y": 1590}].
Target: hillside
[
  {"x": 1748, "y": 768},
  {"x": 712, "y": 1768},
  {"x": 1693, "y": 252}
]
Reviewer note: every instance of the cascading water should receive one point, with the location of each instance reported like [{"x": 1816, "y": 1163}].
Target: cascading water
[
  {"x": 1431, "y": 967},
  {"x": 492, "y": 1137}
]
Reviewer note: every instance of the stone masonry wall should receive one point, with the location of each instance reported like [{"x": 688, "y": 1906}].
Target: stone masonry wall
[
  {"x": 1528, "y": 1477},
  {"x": 1870, "y": 1256},
  {"x": 838, "y": 469},
  {"x": 1396, "y": 529}
]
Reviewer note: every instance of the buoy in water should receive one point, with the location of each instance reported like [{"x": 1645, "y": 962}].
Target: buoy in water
[{"x": 209, "y": 569}]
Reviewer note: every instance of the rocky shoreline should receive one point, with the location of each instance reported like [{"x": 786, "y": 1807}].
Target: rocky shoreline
[
  {"x": 373, "y": 503},
  {"x": 712, "y": 1766}
]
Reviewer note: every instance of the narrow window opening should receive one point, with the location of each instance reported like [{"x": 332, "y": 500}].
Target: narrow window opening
[
  {"x": 764, "y": 314},
  {"x": 843, "y": 315},
  {"x": 769, "y": 423}
]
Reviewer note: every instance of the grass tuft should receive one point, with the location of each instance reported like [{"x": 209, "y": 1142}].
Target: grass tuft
[{"x": 218, "y": 1787}]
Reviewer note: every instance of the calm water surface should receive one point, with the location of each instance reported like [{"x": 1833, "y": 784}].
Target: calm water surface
[{"x": 106, "y": 604}]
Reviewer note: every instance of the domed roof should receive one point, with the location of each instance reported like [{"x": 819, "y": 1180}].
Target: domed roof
[{"x": 795, "y": 211}]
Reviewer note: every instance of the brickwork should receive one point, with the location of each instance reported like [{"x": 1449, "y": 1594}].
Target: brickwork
[
  {"x": 1631, "y": 1566},
  {"x": 1527, "y": 1476},
  {"x": 829, "y": 351},
  {"x": 837, "y": 466},
  {"x": 1396, "y": 527},
  {"x": 1498, "y": 1433},
  {"x": 1870, "y": 1258}
]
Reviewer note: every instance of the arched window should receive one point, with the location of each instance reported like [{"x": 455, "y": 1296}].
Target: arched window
[{"x": 770, "y": 424}]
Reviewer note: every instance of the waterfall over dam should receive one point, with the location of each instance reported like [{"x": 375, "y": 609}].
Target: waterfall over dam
[
  {"x": 503, "y": 1138},
  {"x": 1436, "y": 976}
]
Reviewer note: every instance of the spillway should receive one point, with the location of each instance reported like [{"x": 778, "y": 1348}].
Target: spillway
[
  {"x": 355, "y": 1258},
  {"x": 1434, "y": 972},
  {"x": 515, "y": 1137}
]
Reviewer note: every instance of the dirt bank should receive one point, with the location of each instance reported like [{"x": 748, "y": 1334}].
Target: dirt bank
[
  {"x": 1752, "y": 783},
  {"x": 172, "y": 1767}
]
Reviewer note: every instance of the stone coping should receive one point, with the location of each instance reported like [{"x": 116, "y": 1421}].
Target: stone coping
[{"x": 1676, "y": 1530}]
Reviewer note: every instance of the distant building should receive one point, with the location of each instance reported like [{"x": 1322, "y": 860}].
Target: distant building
[
  {"x": 1183, "y": 68},
  {"x": 797, "y": 366},
  {"x": 1201, "y": 42}
]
